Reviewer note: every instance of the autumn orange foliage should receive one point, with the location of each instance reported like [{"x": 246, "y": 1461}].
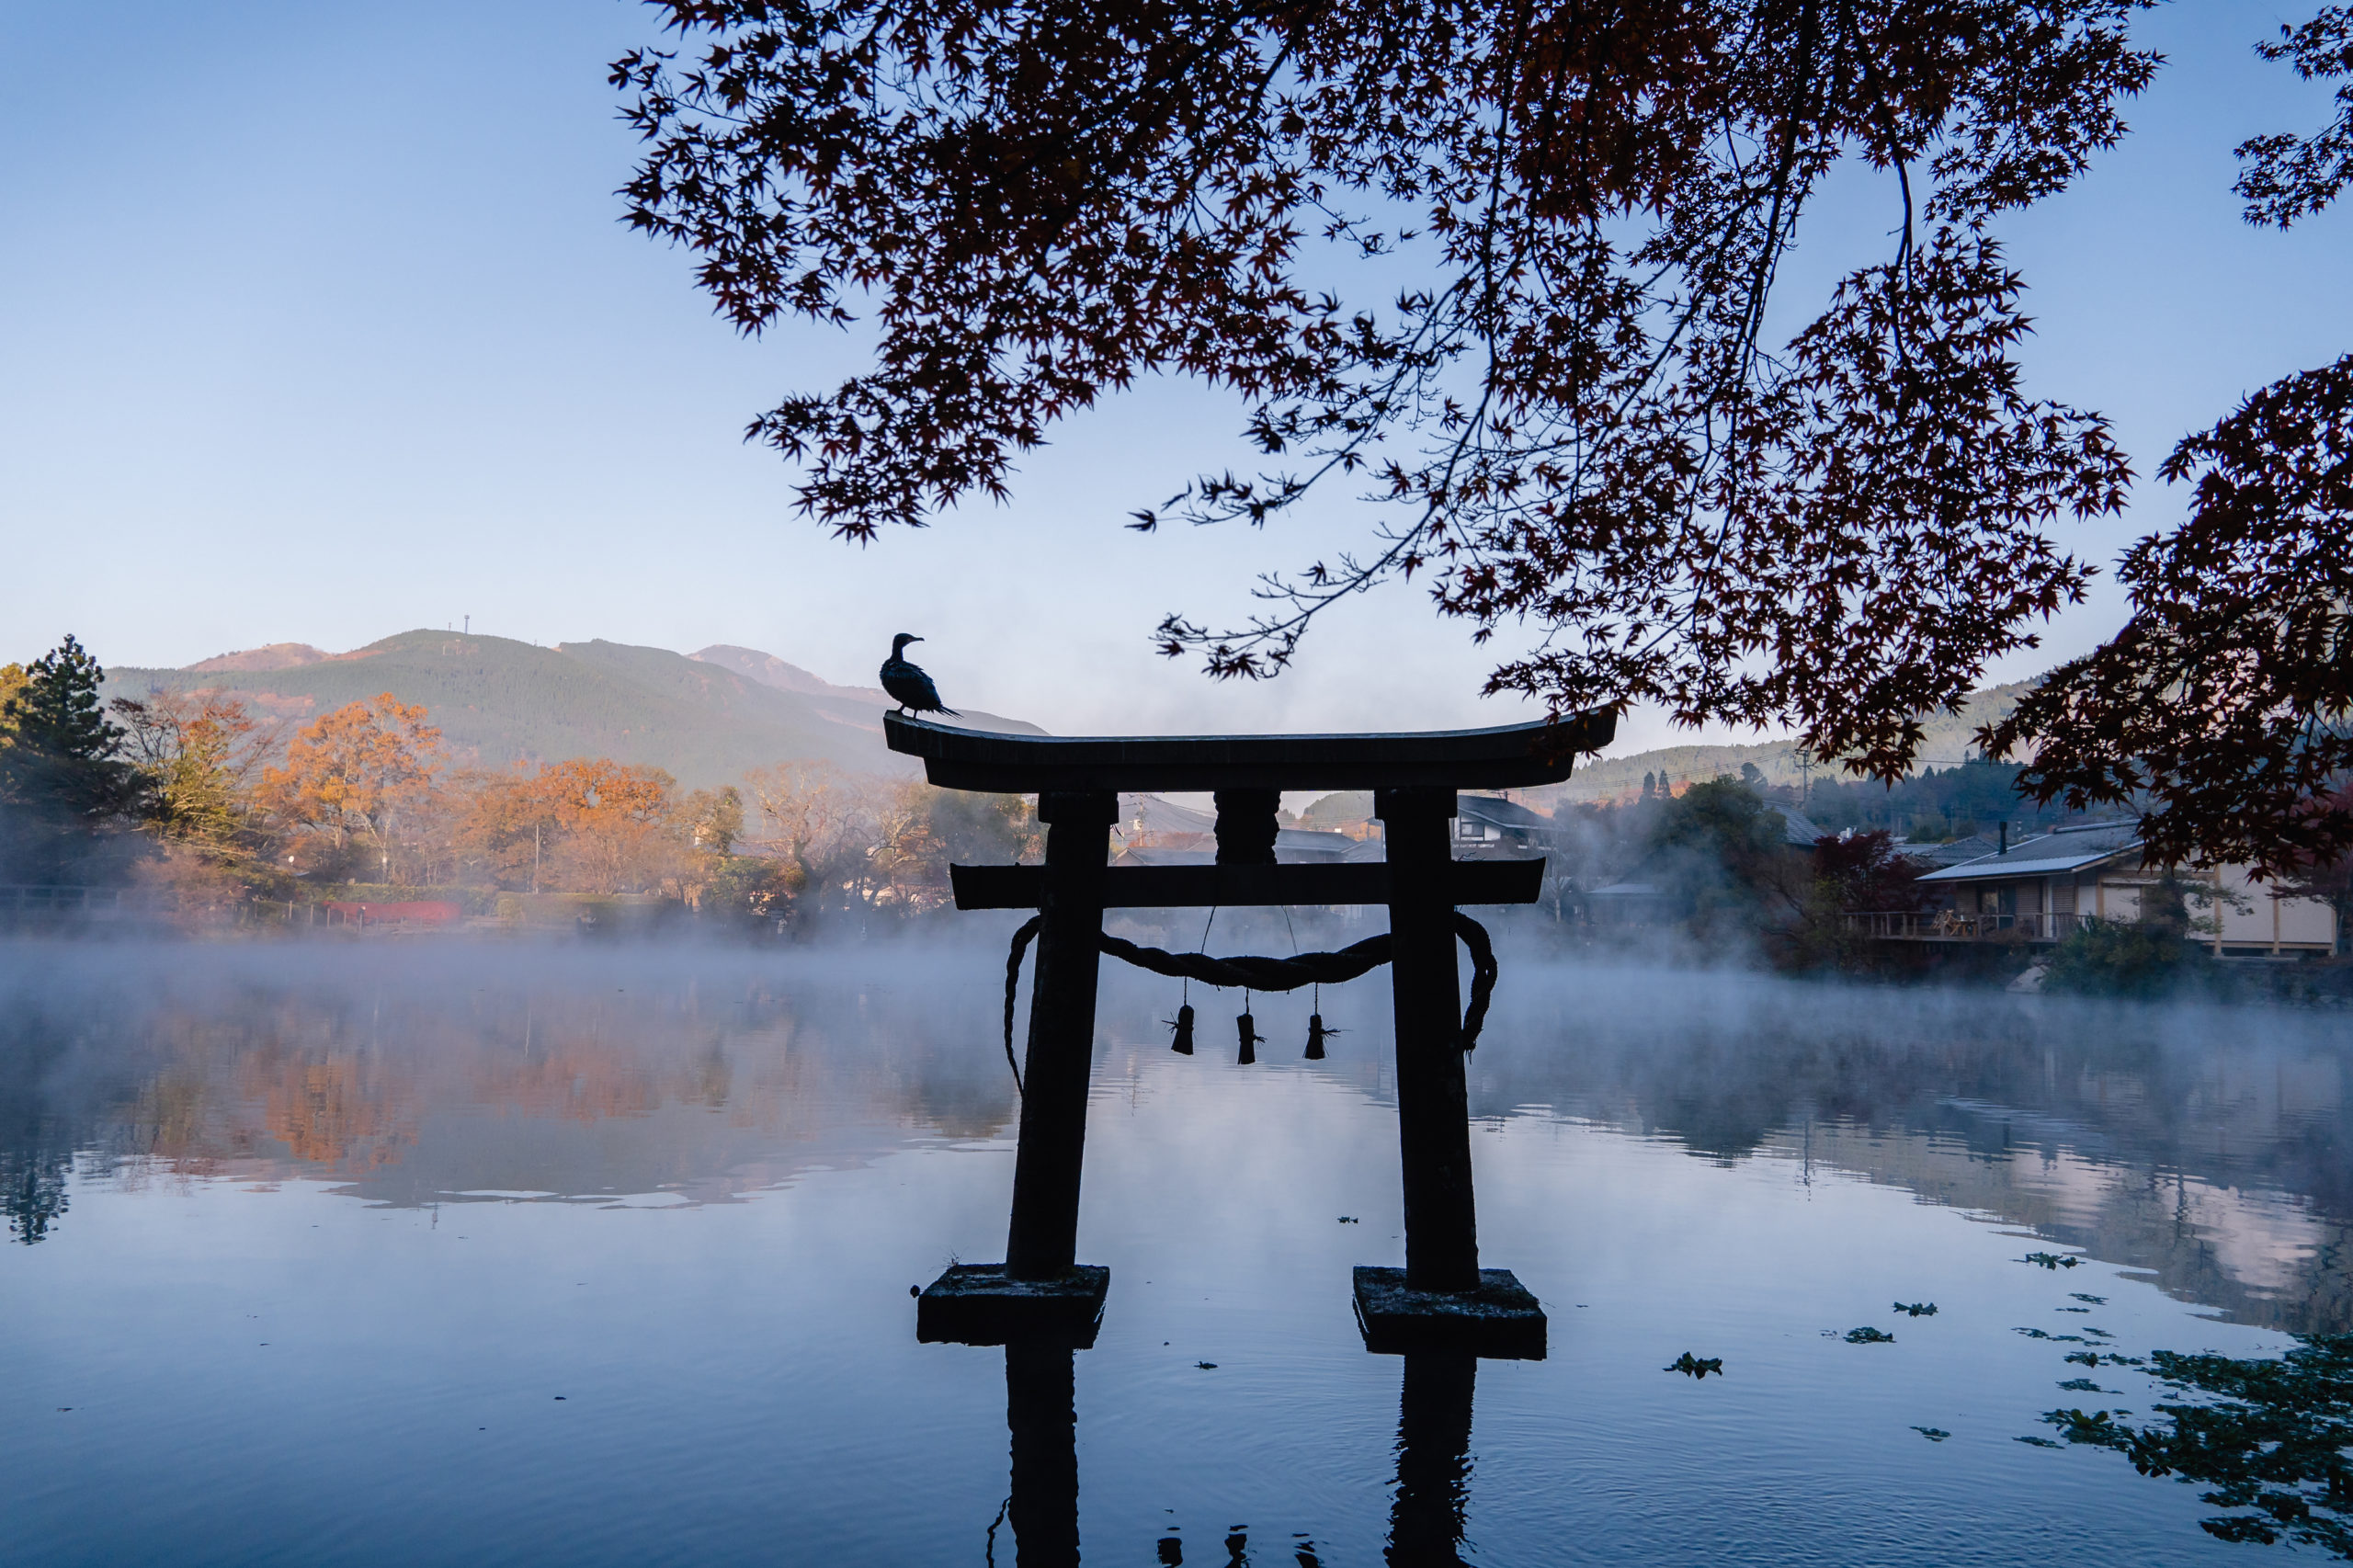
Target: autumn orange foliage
[
  {"x": 350, "y": 777},
  {"x": 368, "y": 794}
]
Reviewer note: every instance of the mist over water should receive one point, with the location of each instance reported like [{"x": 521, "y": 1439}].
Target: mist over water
[{"x": 306, "y": 1241}]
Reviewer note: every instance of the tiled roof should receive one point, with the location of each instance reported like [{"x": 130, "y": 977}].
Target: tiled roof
[
  {"x": 2064, "y": 849},
  {"x": 1627, "y": 890},
  {"x": 1974, "y": 847},
  {"x": 1158, "y": 816},
  {"x": 1305, "y": 844},
  {"x": 1492, "y": 811}
]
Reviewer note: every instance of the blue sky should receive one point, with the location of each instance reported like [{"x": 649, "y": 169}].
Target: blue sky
[{"x": 317, "y": 325}]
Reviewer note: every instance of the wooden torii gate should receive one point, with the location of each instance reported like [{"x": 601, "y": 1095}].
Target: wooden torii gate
[{"x": 1442, "y": 1296}]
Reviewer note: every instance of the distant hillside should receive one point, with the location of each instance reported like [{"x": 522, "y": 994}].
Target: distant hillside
[
  {"x": 860, "y": 706},
  {"x": 274, "y": 656},
  {"x": 706, "y": 719},
  {"x": 1949, "y": 742}
]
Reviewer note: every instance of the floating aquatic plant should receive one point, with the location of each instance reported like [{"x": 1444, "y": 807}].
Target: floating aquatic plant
[
  {"x": 2082, "y": 1385},
  {"x": 1696, "y": 1366},
  {"x": 1869, "y": 1337},
  {"x": 2267, "y": 1438},
  {"x": 2061, "y": 1338},
  {"x": 1934, "y": 1434},
  {"x": 2080, "y": 1428},
  {"x": 2095, "y": 1300},
  {"x": 2051, "y": 1260},
  {"x": 1917, "y": 1309}
]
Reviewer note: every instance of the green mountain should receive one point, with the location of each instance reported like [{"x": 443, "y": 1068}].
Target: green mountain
[{"x": 497, "y": 702}]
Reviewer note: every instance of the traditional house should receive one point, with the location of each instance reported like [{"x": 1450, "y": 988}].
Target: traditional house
[
  {"x": 2041, "y": 889},
  {"x": 1489, "y": 827}
]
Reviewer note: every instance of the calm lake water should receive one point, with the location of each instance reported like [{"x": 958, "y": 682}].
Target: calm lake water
[{"x": 429, "y": 1254}]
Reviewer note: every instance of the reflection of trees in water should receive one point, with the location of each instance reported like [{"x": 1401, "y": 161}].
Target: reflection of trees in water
[
  {"x": 32, "y": 1190},
  {"x": 415, "y": 1087},
  {"x": 2211, "y": 1147},
  {"x": 334, "y": 1112},
  {"x": 36, "y": 1150}
]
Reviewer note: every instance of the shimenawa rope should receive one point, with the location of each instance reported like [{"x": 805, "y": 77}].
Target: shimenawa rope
[{"x": 1268, "y": 974}]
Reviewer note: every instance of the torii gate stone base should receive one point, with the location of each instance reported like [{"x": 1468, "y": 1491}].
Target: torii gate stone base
[{"x": 1441, "y": 1299}]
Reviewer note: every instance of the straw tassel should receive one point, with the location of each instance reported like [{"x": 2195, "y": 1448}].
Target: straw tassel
[
  {"x": 1248, "y": 1028},
  {"x": 1183, "y": 1044},
  {"x": 1316, "y": 1033}
]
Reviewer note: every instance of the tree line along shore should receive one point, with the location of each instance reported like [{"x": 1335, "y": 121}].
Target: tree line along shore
[
  {"x": 202, "y": 811},
  {"x": 188, "y": 808}
]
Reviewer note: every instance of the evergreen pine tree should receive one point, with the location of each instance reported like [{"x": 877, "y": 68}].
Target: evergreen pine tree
[{"x": 61, "y": 765}]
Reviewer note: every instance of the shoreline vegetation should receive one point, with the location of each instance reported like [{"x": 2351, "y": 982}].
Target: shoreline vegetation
[{"x": 189, "y": 810}]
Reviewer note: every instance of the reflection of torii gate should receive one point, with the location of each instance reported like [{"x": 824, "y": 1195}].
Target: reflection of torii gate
[{"x": 1441, "y": 1295}]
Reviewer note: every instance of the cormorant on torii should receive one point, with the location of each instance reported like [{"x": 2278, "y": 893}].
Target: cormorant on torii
[{"x": 905, "y": 680}]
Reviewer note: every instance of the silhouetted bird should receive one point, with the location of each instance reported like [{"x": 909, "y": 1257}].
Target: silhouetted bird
[{"x": 906, "y": 682}]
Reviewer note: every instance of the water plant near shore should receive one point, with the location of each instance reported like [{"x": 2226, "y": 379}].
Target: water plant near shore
[{"x": 2267, "y": 1438}]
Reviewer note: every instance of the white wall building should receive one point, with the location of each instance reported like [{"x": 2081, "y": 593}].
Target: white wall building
[{"x": 2041, "y": 889}]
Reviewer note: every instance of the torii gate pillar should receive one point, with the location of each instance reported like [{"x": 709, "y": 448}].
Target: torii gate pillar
[
  {"x": 1433, "y": 1099},
  {"x": 1042, "y": 1242}
]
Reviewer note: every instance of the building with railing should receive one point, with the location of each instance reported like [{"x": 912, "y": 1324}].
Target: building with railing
[{"x": 2041, "y": 889}]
